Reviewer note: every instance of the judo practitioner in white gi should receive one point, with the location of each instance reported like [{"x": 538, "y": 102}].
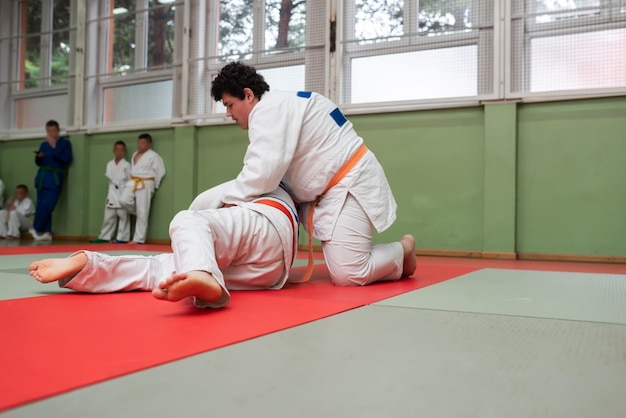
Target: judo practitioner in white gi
[
  {"x": 1, "y": 193},
  {"x": 303, "y": 140},
  {"x": 244, "y": 247},
  {"x": 146, "y": 172},
  {"x": 18, "y": 215},
  {"x": 117, "y": 173}
]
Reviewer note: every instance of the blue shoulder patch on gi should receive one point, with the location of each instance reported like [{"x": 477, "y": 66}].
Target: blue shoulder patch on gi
[
  {"x": 338, "y": 117},
  {"x": 305, "y": 94}
]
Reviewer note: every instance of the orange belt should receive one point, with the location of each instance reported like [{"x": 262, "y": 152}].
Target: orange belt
[
  {"x": 343, "y": 171},
  {"x": 292, "y": 220},
  {"x": 141, "y": 180}
]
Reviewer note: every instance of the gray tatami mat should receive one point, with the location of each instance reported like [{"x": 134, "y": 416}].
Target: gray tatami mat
[
  {"x": 543, "y": 294},
  {"x": 380, "y": 362}
]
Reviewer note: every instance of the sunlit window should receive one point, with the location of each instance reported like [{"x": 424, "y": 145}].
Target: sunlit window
[{"x": 44, "y": 43}]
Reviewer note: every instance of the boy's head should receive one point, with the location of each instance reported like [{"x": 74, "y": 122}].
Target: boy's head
[
  {"x": 21, "y": 192},
  {"x": 240, "y": 88},
  {"x": 144, "y": 142},
  {"x": 234, "y": 78},
  {"x": 52, "y": 129},
  {"x": 119, "y": 149}
]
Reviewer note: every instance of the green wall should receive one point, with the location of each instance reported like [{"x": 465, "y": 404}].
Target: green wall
[
  {"x": 571, "y": 186},
  {"x": 505, "y": 177}
]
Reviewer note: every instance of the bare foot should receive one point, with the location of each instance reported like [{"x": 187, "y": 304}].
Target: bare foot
[
  {"x": 410, "y": 261},
  {"x": 200, "y": 284},
  {"x": 53, "y": 269}
]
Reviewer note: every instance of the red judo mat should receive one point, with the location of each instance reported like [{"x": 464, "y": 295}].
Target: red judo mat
[{"x": 57, "y": 343}]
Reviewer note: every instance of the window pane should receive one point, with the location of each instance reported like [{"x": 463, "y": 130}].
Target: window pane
[
  {"x": 378, "y": 21},
  {"x": 31, "y": 70},
  {"x": 279, "y": 78},
  {"x": 34, "y": 112},
  {"x": 122, "y": 46},
  {"x": 61, "y": 15},
  {"x": 557, "y": 10},
  {"x": 438, "y": 17},
  {"x": 579, "y": 61},
  {"x": 285, "y": 23},
  {"x": 60, "y": 57},
  {"x": 161, "y": 35},
  {"x": 30, "y": 45},
  {"x": 236, "y": 24},
  {"x": 284, "y": 78},
  {"x": 148, "y": 101},
  {"x": 430, "y": 74},
  {"x": 32, "y": 10}
]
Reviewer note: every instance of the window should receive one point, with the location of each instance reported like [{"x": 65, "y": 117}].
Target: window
[
  {"x": 141, "y": 36},
  {"x": 43, "y": 44},
  {"x": 282, "y": 24},
  {"x": 416, "y": 50},
  {"x": 568, "y": 46},
  {"x": 283, "y": 39},
  {"x": 37, "y": 69},
  {"x": 129, "y": 75}
]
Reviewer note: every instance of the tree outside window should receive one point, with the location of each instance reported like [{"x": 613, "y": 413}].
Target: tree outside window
[{"x": 283, "y": 23}]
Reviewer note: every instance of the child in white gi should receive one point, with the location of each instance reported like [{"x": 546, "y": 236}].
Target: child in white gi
[
  {"x": 18, "y": 215},
  {"x": 1, "y": 193},
  {"x": 304, "y": 141},
  {"x": 244, "y": 247},
  {"x": 146, "y": 172},
  {"x": 118, "y": 174}
]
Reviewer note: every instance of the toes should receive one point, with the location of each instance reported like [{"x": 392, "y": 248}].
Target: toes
[
  {"x": 179, "y": 276},
  {"x": 159, "y": 294}
]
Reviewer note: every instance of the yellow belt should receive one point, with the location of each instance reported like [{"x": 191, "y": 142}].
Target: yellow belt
[
  {"x": 343, "y": 171},
  {"x": 140, "y": 180}
]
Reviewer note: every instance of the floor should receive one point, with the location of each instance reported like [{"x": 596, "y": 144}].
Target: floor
[{"x": 511, "y": 339}]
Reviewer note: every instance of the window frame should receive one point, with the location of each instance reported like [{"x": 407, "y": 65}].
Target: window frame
[
  {"x": 411, "y": 41},
  {"x": 210, "y": 64},
  {"x": 102, "y": 78},
  {"x": 46, "y": 35},
  {"x": 517, "y": 22}
]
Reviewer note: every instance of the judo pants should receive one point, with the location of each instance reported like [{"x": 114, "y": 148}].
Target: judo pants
[
  {"x": 11, "y": 224},
  {"x": 115, "y": 217},
  {"x": 350, "y": 255},
  {"x": 46, "y": 202},
  {"x": 138, "y": 203}
]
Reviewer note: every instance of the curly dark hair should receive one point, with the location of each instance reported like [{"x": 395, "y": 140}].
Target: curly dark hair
[{"x": 235, "y": 77}]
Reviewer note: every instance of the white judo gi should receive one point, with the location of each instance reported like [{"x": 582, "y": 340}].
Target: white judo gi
[
  {"x": 19, "y": 219},
  {"x": 245, "y": 247},
  {"x": 145, "y": 178},
  {"x": 302, "y": 139},
  {"x": 115, "y": 215}
]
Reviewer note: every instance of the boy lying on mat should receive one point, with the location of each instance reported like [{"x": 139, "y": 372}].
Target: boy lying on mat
[
  {"x": 244, "y": 247},
  {"x": 248, "y": 246}
]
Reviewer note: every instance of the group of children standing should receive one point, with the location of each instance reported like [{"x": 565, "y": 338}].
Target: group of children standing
[{"x": 131, "y": 188}]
